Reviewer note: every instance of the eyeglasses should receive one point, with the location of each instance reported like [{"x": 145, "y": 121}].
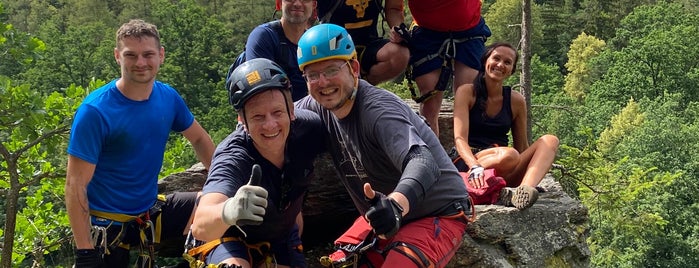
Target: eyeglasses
[
  {"x": 328, "y": 73},
  {"x": 302, "y": 1}
]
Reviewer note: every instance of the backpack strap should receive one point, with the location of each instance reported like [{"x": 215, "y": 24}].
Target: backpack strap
[
  {"x": 282, "y": 46},
  {"x": 329, "y": 15}
]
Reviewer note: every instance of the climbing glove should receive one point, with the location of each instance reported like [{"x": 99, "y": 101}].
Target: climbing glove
[
  {"x": 248, "y": 205},
  {"x": 88, "y": 258},
  {"x": 384, "y": 215},
  {"x": 475, "y": 172}
]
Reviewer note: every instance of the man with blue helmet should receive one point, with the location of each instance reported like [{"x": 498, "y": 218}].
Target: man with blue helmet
[
  {"x": 397, "y": 173},
  {"x": 246, "y": 223}
]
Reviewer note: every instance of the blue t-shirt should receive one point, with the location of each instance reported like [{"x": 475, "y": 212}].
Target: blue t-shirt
[
  {"x": 126, "y": 139},
  {"x": 232, "y": 164},
  {"x": 264, "y": 42}
]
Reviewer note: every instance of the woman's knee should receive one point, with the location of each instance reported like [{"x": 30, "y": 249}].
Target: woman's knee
[
  {"x": 550, "y": 141},
  {"x": 509, "y": 158}
]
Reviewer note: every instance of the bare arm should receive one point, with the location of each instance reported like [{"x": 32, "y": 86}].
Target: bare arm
[
  {"x": 394, "y": 17},
  {"x": 519, "y": 122},
  {"x": 464, "y": 99},
  {"x": 394, "y": 12},
  {"x": 208, "y": 224},
  {"x": 201, "y": 142},
  {"x": 79, "y": 173}
]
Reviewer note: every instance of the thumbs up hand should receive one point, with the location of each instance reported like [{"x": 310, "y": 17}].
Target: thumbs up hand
[
  {"x": 248, "y": 205},
  {"x": 384, "y": 215}
]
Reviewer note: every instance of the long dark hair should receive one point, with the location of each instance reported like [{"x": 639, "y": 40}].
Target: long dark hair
[{"x": 480, "y": 89}]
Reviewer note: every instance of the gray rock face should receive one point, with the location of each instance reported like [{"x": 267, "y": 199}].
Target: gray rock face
[{"x": 552, "y": 233}]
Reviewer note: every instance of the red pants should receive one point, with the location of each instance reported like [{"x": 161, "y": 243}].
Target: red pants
[{"x": 437, "y": 238}]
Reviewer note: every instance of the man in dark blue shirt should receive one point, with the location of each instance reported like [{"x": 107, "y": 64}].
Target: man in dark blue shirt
[{"x": 240, "y": 216}]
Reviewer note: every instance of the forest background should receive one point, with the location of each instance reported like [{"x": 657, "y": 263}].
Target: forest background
[{"x": 614, "y": 80}]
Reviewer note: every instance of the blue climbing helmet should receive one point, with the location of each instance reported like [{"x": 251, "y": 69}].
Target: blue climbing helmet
[
  {"x": 252, "y": 77},
  {"x": 324, "y": 42}
]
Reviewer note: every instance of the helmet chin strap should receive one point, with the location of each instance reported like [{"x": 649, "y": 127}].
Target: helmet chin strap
[{"x": 356, "y": 85}]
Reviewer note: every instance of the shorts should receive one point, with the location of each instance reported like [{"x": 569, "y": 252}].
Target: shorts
[
  {"x": 425, "y": 42},
  {"x": 174, "y": 217},
  {"x": 366, "y": 54},
  {"x": 287, "y": 251}
]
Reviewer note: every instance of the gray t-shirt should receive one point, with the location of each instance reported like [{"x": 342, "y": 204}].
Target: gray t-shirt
[{"x": 379, "y": 132}]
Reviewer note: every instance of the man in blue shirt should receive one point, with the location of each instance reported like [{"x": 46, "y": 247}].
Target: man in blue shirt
[
  {"x": 116, "y": 149},
  {"x": 279, "y": 44}
]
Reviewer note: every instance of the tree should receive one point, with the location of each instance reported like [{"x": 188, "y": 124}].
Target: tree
[
  {"x": 18, "y": 50},
  {"x": 526, "y": 78},
  {"x": 504, "y": 18},
  {"x": 583, "y": 48},
  {"x": 32, "y": 133},
  {"x": 653, "y": 55}
]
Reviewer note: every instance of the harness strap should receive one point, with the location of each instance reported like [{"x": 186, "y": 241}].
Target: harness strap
[
  {"x": 414, "y": 254},
  {"x": 149, "y": 234},
  {"x": 117, "y": 217},
  {"x": 204, "y": 249},
  {"x": 447, "y": 51},
  {"x": 444, "y": 46},
  {"x": 196, "y": 257}
]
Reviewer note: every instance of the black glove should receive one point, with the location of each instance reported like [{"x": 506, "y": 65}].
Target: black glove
[
  {"x": 88, "y": 258},
  {"x": 404, "y": 33},
  {"x": 384, "y": 215}
]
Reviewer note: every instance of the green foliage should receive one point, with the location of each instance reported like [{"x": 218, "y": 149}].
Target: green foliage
[
  {"x": 504, "y": 18},
  {"x": 17, "y": 49},
  {"x": 400, "y": 89},
  {"x": 608, "y": 187},
  {"x": 33, "y": 137},
  {"x": 653, "y": 64},
  {"x": 197, "y": 59},
  {"x": 627, "y": 113},
  {"x": 621, "y": 126},
  {"x": 76, "y": 54},
  {"x": 583, "y": 48},
  {"x": 177, "y": 147}
]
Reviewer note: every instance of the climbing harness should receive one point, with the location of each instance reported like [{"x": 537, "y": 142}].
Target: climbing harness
[
  {"x": 447, "y": 51},
  {"x": 148, "y": 232},
  {"x": 352, "y": 246},
  {"x": 196, "y": 251}
]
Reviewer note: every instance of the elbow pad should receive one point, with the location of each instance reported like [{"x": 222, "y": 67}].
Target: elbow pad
[{"x": 420, "y": 171}]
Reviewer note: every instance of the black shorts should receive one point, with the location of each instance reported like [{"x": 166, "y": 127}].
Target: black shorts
[
  {"x": 366, "y": 54},
  {"x": 176, "y": 214}
]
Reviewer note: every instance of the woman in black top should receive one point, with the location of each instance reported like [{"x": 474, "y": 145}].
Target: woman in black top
[{"x": 484, "y": 113}]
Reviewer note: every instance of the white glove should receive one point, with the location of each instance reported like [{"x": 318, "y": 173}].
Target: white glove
[
  {"x": 248, "y": 205},
  {"x": 475, "y": 173}
]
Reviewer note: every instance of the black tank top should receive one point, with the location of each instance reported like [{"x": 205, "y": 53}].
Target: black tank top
[{"x": 486, "y": 132}]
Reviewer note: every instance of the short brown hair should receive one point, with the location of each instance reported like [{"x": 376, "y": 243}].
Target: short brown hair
[{"x": 138, "y": 29}]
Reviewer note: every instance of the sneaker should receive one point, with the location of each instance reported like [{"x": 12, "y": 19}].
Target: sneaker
[
  {"x": 524, "y": 196},
  {"x": 505, "y": 197}
]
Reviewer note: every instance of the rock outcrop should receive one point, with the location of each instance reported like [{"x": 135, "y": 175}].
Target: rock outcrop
[{"x": 552, "y": 233}]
